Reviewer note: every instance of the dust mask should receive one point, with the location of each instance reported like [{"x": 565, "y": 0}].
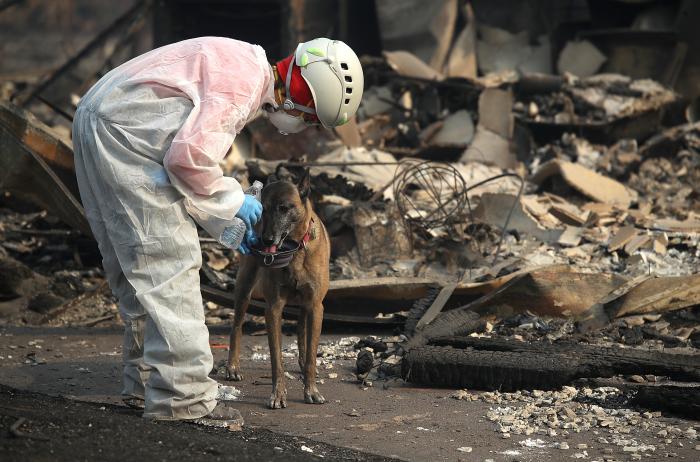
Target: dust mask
[{"x": 286, "y": 123}]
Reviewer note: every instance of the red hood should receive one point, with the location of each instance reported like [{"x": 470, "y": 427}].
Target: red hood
[{"x": 300, "y": 91}]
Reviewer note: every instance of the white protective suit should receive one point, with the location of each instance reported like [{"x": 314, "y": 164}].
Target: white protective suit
[{"x": 148, "y": 139}]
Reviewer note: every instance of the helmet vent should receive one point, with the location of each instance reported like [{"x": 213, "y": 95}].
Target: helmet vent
[
  {"x": 347, "y": 101},
  {"x": 344, "y": 66},
  {"x": 348, "y": 90},
  {"x": 348, "y": 78}
]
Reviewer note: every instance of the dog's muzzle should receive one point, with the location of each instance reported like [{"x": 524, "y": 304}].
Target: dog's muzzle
[
  {"x": 285, "y": 252},
  {"x": 279, "y": 259}
]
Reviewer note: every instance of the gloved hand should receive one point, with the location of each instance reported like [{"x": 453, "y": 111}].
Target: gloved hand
[
  {"x": 249, "y": 241},
  {"x": 250, "y": 212}
]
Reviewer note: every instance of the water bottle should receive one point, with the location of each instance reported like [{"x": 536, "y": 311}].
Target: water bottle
[
  {"x": 233, "y": 235},
  {"x": 255, "y": 190}
]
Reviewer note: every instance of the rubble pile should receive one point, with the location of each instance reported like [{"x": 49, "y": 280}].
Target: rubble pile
[
  {"x": 555, "y": 415},
  {"x": 45, "y": 267},
  {"x": 625, "y": 207},
  {"x": 600, "y": 203},
  {"x": 602, "y": 98},
  {"x": 651, "y": 331}
]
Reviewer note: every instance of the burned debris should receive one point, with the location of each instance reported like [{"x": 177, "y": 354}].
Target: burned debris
[
  {"x": 519, "y": 211},
  {"x": 436, "y": 177}
]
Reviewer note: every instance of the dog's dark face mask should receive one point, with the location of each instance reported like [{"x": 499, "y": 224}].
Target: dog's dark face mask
[{"x": 283, "y": 208}]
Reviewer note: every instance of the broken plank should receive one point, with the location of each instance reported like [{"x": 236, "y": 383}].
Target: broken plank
[
  {"x": 571, "y": 237},
  {"x": 408, "y": 288},
  {"x": 589, "y": 183},
  {"x": 660, "y": 244},
  {"x": 25, "y": 174},
  {"x": 349, "y": 133},
  {"x": 41, "y": 140},
  {"x": 409, "y": 65},
  {"x": 95, "y": 321},
  {"x": 437, "y": 306},
  {"x": 671, "y": 225},
  {"x": 657, "y": 295},
  {"x": 637, "y": 242},
  {"x": 549, "y": 292},
  {"x": 385, "y": 288},
  {"x": 567, "y": 214},
  {"x": 597, "y": 317},
  {"x": 622, "y": 237}
]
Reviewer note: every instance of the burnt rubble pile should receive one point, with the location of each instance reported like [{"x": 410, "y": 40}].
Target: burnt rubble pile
[
  {"x": 597, "y": 203},
  {"x": 49, "y": 273}
]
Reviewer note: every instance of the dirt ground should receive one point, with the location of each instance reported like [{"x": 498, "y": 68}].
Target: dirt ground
[
  {"x": 390, "y": 419},
  {"x": 61, "y": 429}
]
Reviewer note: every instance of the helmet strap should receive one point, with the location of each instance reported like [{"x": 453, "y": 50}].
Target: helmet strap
[{"x": 288, "y": 103}]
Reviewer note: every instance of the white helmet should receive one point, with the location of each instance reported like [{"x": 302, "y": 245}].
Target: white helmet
[{"x": 334, "y": 74}]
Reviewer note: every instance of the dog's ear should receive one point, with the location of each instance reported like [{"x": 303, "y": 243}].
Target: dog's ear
[
  {"x": 272, "y": 178},
  {"x": 304, "y": 184}
]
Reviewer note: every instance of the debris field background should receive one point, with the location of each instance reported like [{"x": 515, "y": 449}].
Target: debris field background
[{"x": 514, "y": 212}]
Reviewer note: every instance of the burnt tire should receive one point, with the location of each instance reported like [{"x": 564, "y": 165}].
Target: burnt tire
[
  {"x": 507, "y": 365},
  {"x": 445, "y": 366},
  {"x": 591, "y": 360}
]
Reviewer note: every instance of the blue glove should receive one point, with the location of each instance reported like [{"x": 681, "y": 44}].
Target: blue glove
[
  {"x": 250, "y": 212},
  {"x": 249, "y": 240}
]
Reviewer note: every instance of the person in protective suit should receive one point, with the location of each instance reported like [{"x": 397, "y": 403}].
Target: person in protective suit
[{"x": 148, "y": 140}]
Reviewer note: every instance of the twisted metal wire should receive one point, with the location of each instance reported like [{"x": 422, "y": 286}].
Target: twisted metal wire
[
  {"x": 445, "y": 188},
  {"x": 448, "y": 193}
]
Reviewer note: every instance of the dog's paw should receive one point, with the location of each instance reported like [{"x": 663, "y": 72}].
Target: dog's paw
[
  {"x": 313, "y": 396},
  {"x": 278, "y": 399},
  {"x": 232, "y": 373}
]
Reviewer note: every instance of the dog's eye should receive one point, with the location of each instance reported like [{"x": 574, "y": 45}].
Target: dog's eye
[{"x": 283, "y": 208}]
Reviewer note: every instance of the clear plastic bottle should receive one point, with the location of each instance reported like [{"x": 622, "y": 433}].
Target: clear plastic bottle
[
  {"x": 255, "y": 190},
  {"x": 233, "y": 235}
]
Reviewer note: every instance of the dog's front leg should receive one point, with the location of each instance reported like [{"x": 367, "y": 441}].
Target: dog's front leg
[
  {"x": 314, "y": 319},
  {"x": 301, "y": 340},
  {"x": 273, "y": 321}
]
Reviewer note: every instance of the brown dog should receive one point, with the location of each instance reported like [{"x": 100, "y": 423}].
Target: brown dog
[{"x": 286, "y": 212}]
